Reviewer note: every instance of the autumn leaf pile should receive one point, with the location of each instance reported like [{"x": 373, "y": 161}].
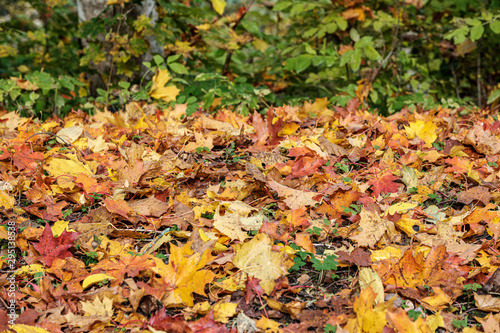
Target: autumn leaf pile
[{"x": 316, "y": 218}]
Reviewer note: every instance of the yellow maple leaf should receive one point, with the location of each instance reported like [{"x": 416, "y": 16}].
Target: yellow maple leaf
[
  {"x": 258, "y": 260},
  {"x": 426, "y": 131},
  {"x": 183, "y": 275},
  {"x": 158, "y": 89},
  {"x": 98, "y": 308}
]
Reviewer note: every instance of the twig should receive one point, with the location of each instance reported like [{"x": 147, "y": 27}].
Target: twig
[
  {"x": 478, "y": 73},
  {"x": 236, "y": 23},
  {"x": 395, "y": 40},
  {"x": 78, "y": 152}
]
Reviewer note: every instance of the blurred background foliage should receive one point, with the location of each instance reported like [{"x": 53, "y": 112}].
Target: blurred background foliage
[{"x": 247, "y": 55}]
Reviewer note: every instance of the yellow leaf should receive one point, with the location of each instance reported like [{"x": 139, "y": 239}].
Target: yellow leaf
[
  {"x": 183, "y": 274},
  {"x": 96, "y": 278},
  {"x": 223, "y": 311},
  {"x": 434, "y": 321},
  {"x": 59, "y": 227},
  {"x": 260, "y": 45},
  {"x": 21, "y": 328},
  {"x": 6, "y": 200},
  {"x": 369, "y": 278},
  {"x": 437, "y": 301},
  {"x": 386, "y": 253},
  {"x": 116, "y": 2},
  {"x": 426, "y": 131},
  {"x": 73, "y": 167},
  {"x": 400, "y": 207},
  {"x": 98, "y": 308},
  {"x": 30, "y": 270},
  {"x": 268, "y": 325},
  {"x": 289, "y": 128},
  {"x": 257, "y": 259},
  {"x": 406, "y": 225},
  {"x": 158, "y": 89},
  {"x": 219, "y": 6}
]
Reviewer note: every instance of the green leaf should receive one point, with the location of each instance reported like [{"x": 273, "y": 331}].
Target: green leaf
[
  {"x": 281, "y": 5},
  {"x": 124, "y": 85},
  {"x": 302, "y": 63},
  {"x": 473, "y": 22},
  {"x": 364, "y": 42},
  {"x": 341, "y": 22},
  {"x": 331, "y": 27},
  {"x": 309, "y": 49},
  {"x": 356, "y": 60},
  {"x": 354, "y": 34},
  {"x": 346, "y": 57},
  {"x": 495, "y": 27},
  {"x": 178, "y": 68},
  {"x": 158, "y": 59},
  {"x": 494, "y": 96},
  {"x": 59, "y": 101},
  {"x": 67, "y": 83},
  {"x": 476, "y": 32},
  {"x": 372, "y": 54},
  {"x": 173, "y": 58},
  {"x": 297, "y": 9}
]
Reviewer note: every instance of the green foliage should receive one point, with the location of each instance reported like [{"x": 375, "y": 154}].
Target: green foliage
[
  {"x": 460, "y": 323},
  {"x": 388, "y": 54},
  {"x": 328, "y": 263}
]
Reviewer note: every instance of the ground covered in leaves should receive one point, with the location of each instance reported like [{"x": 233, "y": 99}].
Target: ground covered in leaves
[{"x": 313, "y": 218}]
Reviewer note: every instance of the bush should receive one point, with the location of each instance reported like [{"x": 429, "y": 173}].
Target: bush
[{"x": 389, "y": 54}]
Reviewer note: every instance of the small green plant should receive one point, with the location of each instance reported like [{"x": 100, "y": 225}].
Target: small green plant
[
  {"x": 230, "y": 153},
  {"x": 493, "y": 164},
  {"x": 201, "y": 150},
  {"x": 343, "y": 166},
  {"x": 327, "y": 264},
  {"x": 329, "y": 328},
  {"x": 413, "y": 190},
  {"x": 438, "y": 145},
  {"x": 434, "y": 196},
  {"x": 352, "y": 209},
  {"x": 460, "y": 323},
  {"x": 314, "y": 231},
  {"x": 414, "y": 314},
  {"x": 67, "y": 213},
  {"x": 91, "y": 257},
  {"x": 103, "y": 282}
]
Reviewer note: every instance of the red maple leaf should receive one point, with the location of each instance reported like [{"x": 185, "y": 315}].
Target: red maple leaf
[
  {"x": 384, "y": 183},
  {"x": 51, "y": 247},
  {"x": 208, "y": 324},
  {"x": 306, "y": 166},
  {"x": 25, "y": 158}
]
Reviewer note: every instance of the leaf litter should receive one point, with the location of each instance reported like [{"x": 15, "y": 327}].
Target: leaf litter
[{"x": 309, "y": 218}]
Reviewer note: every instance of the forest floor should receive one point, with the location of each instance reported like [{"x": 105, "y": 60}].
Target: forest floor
[{"x": 312, "y": 218}]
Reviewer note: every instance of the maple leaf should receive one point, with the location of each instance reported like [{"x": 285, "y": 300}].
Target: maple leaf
[
  {"x": 294, "y": 198},
  {"x": 384, "y": 183},
  {"x": 25, "y": 158},
  {"x": 129, "y": 265},
  {"x": 183, "y": 275},
  {"x": 51, "y": 247},
  {"x": 158, "y": 89},
  {"x": 258, "y": 260},
  {"x": 426, "y": 131},
  {"x": 306, "y": 166}
]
